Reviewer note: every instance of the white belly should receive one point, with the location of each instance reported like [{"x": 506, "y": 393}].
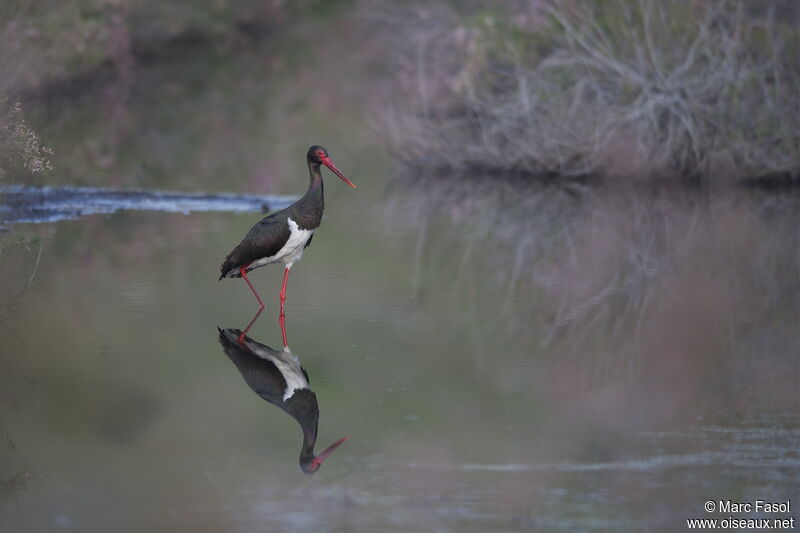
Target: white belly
[
  {"x": 293, "y": 249},
  {"x": 289, "y": 366}
]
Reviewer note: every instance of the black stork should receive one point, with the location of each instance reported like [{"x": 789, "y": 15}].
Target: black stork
[
  {"x": 283, "y": 236},
  {"x": 277, "y": 377}
]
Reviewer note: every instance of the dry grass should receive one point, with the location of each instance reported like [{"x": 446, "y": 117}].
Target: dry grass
[{"x": 613, "y": 88}]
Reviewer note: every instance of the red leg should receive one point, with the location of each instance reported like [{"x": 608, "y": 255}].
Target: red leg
[
  {"x": 283, "y": 287},
  {"x": 250, "y": 325},
  {"x": 243, "y": 272},
  {"x": 282, "y": 322}
]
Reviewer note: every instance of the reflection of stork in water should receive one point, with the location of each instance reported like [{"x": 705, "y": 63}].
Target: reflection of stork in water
[{"x": 276, "y": 376}]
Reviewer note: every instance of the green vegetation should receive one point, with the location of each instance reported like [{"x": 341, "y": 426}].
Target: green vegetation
[
  {"x": 611, "y": 88},
  {"x": 59, "y": 59},
  {"x": 45, "y": 42}
]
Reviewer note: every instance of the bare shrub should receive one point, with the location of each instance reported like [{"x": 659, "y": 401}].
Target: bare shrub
[
  {"x": 612, "y": 88},
  {"x": 20, "y": 146}
]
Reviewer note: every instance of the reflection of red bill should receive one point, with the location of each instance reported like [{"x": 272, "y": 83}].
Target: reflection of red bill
[{"x": 317, "y": 461}]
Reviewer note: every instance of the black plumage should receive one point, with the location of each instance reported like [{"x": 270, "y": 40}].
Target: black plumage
[
  {"x": 265, "y": 239},
  {"x": 281, "y": 237},
  {"x": 255, "y": 363}
]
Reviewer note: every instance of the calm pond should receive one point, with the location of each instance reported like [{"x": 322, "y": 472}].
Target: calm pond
[{"x": 502, "y": 358}]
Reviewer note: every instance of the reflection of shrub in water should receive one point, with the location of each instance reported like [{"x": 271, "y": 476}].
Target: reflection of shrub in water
[
  {"x": 614, "y": 88},
  {"x": 664, "y": 284}
]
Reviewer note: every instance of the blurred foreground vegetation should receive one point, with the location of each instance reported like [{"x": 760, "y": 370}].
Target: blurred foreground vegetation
[
  {"x": 598, "y": 88},
  {"x": 21, "y": 151},
  {"x": 45, "y": 42},
  {"x": 54, "y": 48}
]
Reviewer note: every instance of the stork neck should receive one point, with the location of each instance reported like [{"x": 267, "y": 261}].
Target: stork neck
[
  {"x": 309, "y": 441},
  {"x": 302, "y": 406},
  {"x": 315, "y": 175},
  {"x": 307, "y": 211},
  {"x": 316, "y": 190}
]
